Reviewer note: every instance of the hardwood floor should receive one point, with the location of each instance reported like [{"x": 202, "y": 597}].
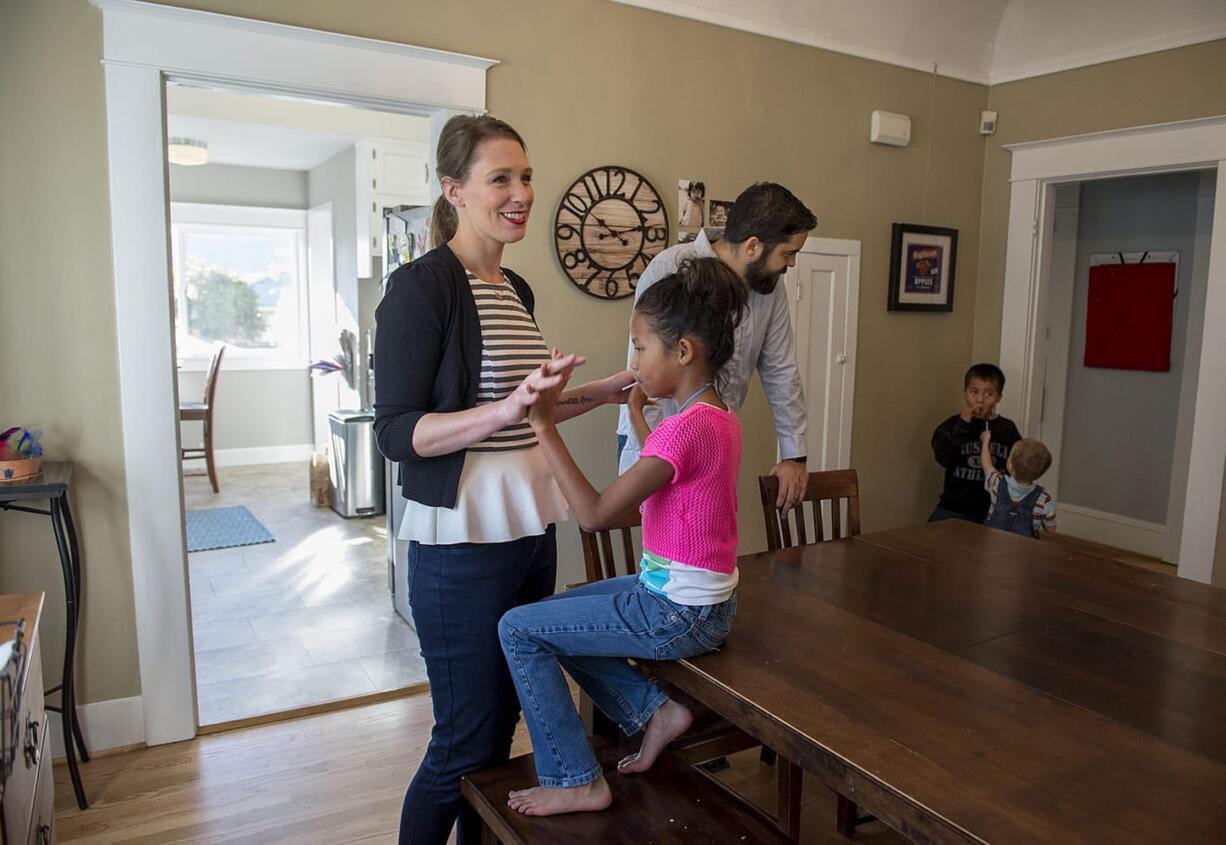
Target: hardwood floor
[{"x": 332, "y": 778}]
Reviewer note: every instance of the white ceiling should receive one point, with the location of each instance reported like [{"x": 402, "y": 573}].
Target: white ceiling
[
  {"x": 285, "y": 134},
  {"x": 985, "y": 41}
]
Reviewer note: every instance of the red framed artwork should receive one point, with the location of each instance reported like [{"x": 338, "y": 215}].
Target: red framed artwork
[{"x": 1130, "y": 311}]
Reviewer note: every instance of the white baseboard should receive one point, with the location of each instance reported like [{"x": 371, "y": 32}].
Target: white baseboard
[
  {"x": 258, "y": 455},
  {"x": 117, "y": 723},
  {"x": 1109, "y": 529}
]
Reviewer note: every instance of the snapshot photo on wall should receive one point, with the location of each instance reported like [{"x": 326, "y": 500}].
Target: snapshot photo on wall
[
  {"x": 686, "y": 237},
  {"x": 922, "y": 262},
  {"x": 690, "y": 200},
  {"x": 720, "y": 209}
]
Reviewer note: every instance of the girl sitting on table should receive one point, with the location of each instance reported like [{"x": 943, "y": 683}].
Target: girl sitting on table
[{"x": 682, "y": 602}]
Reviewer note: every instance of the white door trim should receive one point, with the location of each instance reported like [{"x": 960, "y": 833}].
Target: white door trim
[
  {"x": 1037, "y": 167},
  {"x": 1111, "y": 529},
  {"x": 143, "y": 45}
]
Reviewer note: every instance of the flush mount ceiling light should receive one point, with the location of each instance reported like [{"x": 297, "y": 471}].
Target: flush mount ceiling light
[{"x": 187, "y": 151}]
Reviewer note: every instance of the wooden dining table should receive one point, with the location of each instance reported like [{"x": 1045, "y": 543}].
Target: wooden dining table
[{"x": 964, "y": 684}]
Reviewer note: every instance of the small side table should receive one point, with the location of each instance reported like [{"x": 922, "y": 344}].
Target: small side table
[{"x": 52, "y": 484}]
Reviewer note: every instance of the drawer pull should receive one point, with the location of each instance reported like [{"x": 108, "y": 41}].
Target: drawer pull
[
  {"x": 33, "y": 746},
  {"x": 44, "y": 834}
]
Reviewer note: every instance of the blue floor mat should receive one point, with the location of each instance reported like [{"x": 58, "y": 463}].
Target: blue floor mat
[{"x": 222, "y": 528}]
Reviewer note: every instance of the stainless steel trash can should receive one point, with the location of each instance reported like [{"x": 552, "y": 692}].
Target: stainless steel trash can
[{"x": 356, "y": 464}]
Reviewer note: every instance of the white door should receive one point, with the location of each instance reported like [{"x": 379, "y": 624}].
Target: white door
[
  {"x": 824, "y": 294},
  {"x": 321, "y": 286}
]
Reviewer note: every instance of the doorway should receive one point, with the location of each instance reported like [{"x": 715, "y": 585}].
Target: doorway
[
  {"x": 290, "y": 601},
  {"x": 1093, "y": 416},
  {"x": 144, "y": 45},
  {"x": 1038, "y": 168}
]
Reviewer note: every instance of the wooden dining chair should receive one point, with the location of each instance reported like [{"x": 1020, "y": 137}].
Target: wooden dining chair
[
  {"x": 599, "y": 558},
  {"x": 203, "y": 412},
  {"x": 836, "y": 489},
  {"x": 710, "y": 737}
]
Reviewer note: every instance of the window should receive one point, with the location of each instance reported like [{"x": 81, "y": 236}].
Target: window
[{"x": 239, "y": 279}]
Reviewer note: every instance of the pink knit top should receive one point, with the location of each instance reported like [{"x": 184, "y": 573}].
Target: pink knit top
[{"x": 692, "y": 519}]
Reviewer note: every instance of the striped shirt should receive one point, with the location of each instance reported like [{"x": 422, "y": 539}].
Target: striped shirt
[{"x": 511, "y": 348}]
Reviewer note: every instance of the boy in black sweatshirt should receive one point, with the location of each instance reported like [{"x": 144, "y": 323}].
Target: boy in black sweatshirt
[{"x": 956, "y": 445}]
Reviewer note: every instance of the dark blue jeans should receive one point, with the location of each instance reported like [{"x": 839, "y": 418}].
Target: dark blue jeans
[{"x": 457, "y": 594}]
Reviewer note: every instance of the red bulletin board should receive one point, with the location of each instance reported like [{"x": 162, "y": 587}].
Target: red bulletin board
[{"x": 1129, "y": 316}]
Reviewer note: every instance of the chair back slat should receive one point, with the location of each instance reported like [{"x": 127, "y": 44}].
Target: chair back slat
[
  {"x": 628, "y": 554},
  {"x": 210, "y": 382},
  {"x": 599, "y": 559},
  {"x": 606, "y": 555},
  {"x": 591, "y": 557},
  {"x": 835, "y": 486}
]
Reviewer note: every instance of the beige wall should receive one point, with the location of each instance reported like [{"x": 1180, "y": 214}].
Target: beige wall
[
  {"x": 59, "y": 344},
  {"x": 1173, "y": 85}
]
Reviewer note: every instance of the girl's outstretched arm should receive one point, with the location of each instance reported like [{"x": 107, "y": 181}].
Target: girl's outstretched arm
[
  {"x": 597, "y": 509},
  {"x": 594, "y": 509}
]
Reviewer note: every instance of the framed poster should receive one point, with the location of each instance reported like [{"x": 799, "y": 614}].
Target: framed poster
[{"x": 922, "y": 263}]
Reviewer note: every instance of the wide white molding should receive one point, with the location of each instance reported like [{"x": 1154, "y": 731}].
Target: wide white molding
[
  {"x": 244, "y": 54},
  {"x": 1183, "y": 144}
]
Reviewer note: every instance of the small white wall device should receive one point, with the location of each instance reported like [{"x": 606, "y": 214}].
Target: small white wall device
[{"x": 891, "y": 129}]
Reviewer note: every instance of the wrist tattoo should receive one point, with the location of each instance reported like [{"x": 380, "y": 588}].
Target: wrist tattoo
[{"x": 576, "y": 400}]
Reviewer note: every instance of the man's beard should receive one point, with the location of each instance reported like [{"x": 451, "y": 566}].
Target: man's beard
[{"x": 758, "y": 279}]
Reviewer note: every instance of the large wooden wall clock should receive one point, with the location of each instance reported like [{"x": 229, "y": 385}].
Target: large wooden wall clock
[{"x": 610, "y": 223}]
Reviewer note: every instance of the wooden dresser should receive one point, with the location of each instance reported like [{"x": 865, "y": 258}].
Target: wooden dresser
[{"x": 27, "y": 812}]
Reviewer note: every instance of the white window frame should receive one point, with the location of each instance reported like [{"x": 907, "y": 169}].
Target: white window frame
[
  {"x": 192, "y": 214},
  {"x": 144, "y": 45}
]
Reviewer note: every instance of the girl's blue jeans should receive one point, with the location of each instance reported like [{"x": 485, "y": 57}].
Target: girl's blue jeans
[{"x": 590, "y": 632}]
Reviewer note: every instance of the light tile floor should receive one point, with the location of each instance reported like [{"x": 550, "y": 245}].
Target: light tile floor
[{"x": 305, "y": 620}]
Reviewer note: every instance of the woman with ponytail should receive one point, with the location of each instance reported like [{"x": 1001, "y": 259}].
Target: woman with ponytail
[
  {"x": 684, "y": 598},
  {"x": 461, "y": 360}
]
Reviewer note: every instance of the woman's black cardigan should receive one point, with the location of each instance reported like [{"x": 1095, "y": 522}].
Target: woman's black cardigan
[{"x": 428, "y": 360}]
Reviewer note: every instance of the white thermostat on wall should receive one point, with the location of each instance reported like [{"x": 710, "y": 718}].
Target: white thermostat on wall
[{"x": 891, "y": 129}]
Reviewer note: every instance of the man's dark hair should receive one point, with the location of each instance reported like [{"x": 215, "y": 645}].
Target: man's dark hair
[
  {"x": 985, "y": 372},
  {"x": 769, "y": 212}
]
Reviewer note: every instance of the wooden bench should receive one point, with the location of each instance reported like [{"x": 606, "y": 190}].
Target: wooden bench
[{"x": 673, "y": 803}]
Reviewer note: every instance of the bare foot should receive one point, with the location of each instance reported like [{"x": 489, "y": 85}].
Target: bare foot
[
  {"x": 544, "y": 801},
  {"x": 666, "y": 724}
]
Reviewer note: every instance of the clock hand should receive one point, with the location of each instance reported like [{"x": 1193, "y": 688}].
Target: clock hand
[{"x": 624, "y": 242}]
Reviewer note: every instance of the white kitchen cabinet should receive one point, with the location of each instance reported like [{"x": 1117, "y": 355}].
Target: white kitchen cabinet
[{"x": 389, "y": 173}]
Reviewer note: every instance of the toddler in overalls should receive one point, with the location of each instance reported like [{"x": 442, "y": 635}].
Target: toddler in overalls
[{"x": 1018, "y": 503}]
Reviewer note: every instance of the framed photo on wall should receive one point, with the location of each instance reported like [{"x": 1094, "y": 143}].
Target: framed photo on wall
[{"x": 922, "y": 263}]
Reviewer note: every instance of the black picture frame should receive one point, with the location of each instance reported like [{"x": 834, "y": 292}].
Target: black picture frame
[{"x": 916, "y": 241}]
